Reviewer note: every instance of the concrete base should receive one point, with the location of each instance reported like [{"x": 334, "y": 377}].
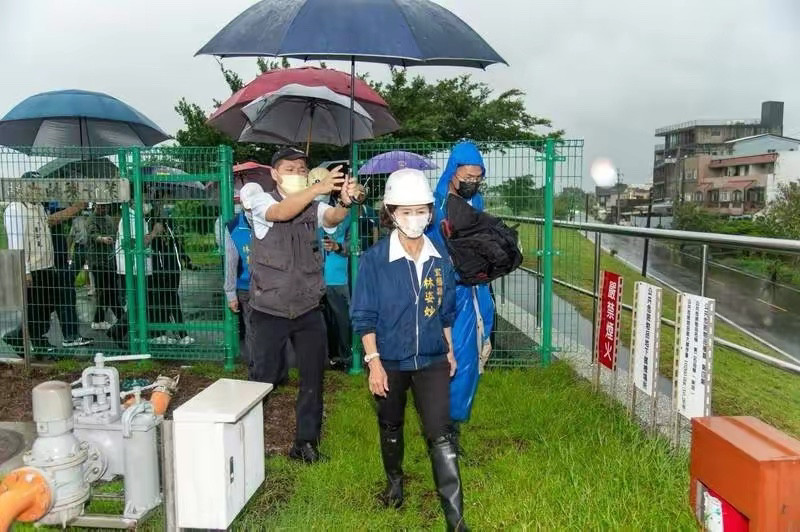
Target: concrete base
[{"x": 27, "y": 430}]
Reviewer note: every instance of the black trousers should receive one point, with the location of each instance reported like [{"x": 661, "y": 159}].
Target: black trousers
[
  {"x": 42, "y": 295},
  {"x": 108, "y": 292},
  {"x": 269, "y": 335},
  {"x": 66, "y": 301},
  {"x": 337, "y": 320},
  {"x": 166, "y": 303},
  {"x": 431, "y": 388}
]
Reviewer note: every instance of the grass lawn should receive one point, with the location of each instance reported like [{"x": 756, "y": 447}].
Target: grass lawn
[
  {"x": 741, "y": 386},
  {"x": 542, "y": 452}
]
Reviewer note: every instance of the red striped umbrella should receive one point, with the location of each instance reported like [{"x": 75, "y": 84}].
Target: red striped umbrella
[{"x": 230, "y": 119}]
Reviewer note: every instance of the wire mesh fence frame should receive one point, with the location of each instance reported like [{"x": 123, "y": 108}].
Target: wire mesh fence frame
[
  {"x": 210, "y": 323},
  {"x": 523, "y": 176}
]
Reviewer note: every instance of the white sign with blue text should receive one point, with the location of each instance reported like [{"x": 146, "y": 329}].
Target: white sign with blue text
[
  {"x": 645, "y": 339},
  {"x": 694, "y": 348}
]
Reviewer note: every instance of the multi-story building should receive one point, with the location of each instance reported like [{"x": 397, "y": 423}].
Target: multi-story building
[
  {"x": 745, "y": 176},
  {"x": 679, "y": 163},
  {"x": 628, "y": 198}
]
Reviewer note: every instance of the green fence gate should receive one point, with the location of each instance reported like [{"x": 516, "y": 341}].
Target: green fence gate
[
  {"x": 97, "y": 202},
  {"x": 523, "y": 178}
]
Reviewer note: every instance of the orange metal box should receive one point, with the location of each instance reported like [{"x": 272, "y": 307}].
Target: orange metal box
[{"x": 751, "y": 465}]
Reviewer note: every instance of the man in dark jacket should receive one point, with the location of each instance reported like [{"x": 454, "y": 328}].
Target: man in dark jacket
[
  {"x": 100, "y": 248},
  {"x": 287, "y": 286}
]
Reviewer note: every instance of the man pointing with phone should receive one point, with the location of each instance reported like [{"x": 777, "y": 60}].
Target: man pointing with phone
[{"x": 287, "y": 284}]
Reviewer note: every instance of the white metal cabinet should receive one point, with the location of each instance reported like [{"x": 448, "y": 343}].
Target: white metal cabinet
[{"x": 219, "y": 452}]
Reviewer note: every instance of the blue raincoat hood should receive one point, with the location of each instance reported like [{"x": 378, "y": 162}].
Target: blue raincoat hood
[{"x": 464, "y": 152}]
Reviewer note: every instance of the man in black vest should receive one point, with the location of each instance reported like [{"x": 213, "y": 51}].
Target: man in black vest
[{"x": 287, "y": 284}]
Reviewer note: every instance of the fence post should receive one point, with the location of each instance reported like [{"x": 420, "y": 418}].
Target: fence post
[
  {"x": 140, "y": 268},
  {"x": 547, "y": 259},
  {"x": 355, "y": 252},
  {"x": 647, "y": 240},
  {"x": 704, "y": 271},
  {"x": 126, "y": 248},
  {"x": 225, "y": 159},
  {"x": 596, "y": 289}
]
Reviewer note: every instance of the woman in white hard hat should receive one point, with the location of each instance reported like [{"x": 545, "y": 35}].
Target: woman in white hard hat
[{"x": 403, "y": 309}]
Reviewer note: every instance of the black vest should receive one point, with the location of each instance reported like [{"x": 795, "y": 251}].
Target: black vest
[{"x": 286, "y": 266}]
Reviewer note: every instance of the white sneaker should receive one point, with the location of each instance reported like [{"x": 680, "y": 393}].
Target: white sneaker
[
  {"x": 186, "y": 340},
  {"x": 101, "y": 326},
  {"x": 163, "y": 340},
  {"x": 77, "y": 342}
]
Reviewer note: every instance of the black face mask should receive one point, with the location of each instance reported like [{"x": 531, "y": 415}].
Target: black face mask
[{"x": 467, "y": 190}]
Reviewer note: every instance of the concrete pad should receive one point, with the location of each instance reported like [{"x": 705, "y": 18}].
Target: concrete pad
[{"x": 27, "y": 431}]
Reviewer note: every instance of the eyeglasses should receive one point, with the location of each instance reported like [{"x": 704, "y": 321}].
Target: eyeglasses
[{"x": 469, "y": 178}]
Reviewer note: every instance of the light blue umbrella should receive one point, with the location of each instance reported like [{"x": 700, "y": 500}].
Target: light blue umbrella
[{"x": 97, "y": 122}]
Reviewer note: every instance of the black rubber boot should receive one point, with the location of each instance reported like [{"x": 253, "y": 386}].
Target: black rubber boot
[
  {"x": 392, "y": 454},
  {"x": 444, "y": 459}
]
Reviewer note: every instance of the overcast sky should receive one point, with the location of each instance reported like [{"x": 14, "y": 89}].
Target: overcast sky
[{"x": 607, "y": 71}]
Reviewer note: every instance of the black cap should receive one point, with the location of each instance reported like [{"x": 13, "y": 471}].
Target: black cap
[{"x": 287, "y": 154}]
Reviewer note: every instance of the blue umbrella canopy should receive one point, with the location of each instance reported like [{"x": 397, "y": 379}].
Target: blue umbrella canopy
[
  {"x": 87, "y": 119},
  {"x": 397, "y": 32}
]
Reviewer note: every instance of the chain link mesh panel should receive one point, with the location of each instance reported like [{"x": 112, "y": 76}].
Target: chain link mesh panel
[
  {"x": 514, "y": 185},
  {"x": 93, "y": 283}
]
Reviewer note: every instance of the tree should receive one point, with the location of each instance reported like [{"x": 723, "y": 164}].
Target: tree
[
  {"x": 456, "y": 108},
  {"x": 443, "y": 111},
  {"x": 570, "y": 199},
  {"x": 692, "y": 217},
  {"x": 783, "y": 213},
  {"x": 521, "y": 195}
]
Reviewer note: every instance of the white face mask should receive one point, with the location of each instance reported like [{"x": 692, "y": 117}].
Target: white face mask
[
  {"x": 413, "y": 226},
  {"x": 293, "y": 183}
]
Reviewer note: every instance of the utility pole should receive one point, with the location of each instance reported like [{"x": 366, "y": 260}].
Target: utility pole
[
  {"x": 679, "y": 169},
  {"x": 618, "y": 192}
]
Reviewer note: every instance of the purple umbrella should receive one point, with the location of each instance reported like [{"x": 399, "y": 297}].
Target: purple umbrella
[{"x": 388, "y": 162}]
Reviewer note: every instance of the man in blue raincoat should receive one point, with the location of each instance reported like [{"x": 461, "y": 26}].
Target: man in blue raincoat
[{"x": 474, "y": 304}]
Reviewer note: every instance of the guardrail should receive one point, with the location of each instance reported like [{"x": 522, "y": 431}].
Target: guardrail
[{"x": 705, "y": 239}]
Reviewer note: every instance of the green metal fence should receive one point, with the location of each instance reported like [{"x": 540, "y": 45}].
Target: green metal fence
[
  {"x": 95, "y": 284},
  {"x": 534, "y": 178}
]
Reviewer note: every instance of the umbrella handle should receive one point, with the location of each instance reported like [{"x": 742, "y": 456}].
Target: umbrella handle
[{"x": 310, "y": 126}]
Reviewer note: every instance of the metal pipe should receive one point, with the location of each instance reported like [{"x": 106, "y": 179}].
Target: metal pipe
[
  {"x": 741, "y": 241},
  {"x": 704, "y": 270},
  {"x": 595, "y": 285},
  {"x": 772, "y": 361},
  {"x": 168, "y": 475}
]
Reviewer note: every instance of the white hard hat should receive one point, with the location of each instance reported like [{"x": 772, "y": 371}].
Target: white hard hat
[
  {"x": 407, "y": 187},
  {"x": 248, "y": 193}
]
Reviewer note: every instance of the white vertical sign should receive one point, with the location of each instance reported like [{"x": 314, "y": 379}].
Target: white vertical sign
[
  {"x": 694, "y": 348},
  {"x": 645, "y": 337}
]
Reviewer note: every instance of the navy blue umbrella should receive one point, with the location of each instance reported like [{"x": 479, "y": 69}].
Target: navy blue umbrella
[
  {"x": 397, "y": 32},
  {"x": 91, "y": 120}
]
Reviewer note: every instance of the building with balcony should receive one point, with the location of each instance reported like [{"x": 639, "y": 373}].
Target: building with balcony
[
  {"x": 679, "y": 163},
  {"x": 747, "y": 177}
]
